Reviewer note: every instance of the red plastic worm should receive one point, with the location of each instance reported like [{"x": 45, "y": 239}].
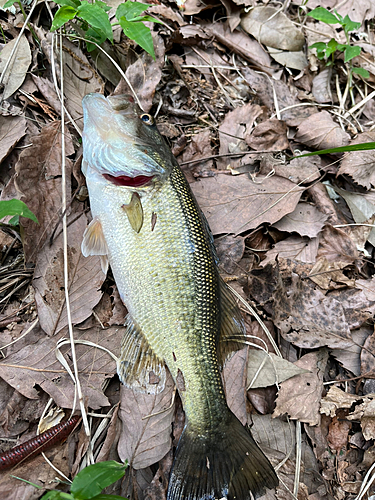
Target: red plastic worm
[{"x": 38, "y": 444}]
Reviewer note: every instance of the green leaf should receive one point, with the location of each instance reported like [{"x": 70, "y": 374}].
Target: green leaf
[
  {"x": 350, "y": 25},
  {"x": 14, "y": 221},
  {"x": 71, "y": 3},
  {"x": 96, "y": 16},
  {"x": 318, "y": 45},
  {"x": 331, "y": 47},
  {"x": 9, "y": 3},
  {"x": 16, "y": 207},
  {"x": 322, "y": 14},
  {"x": 93, "y": 479},
  {"x": 363, "y": 146},
  {"x": 130, "y": 10},
  {"x": 148, "y": 18},
  {"x": 351, "y": 51},
  {"x": 24, "y": 480},
  {"x": 138, "y": 32},
  {"x": 107, "y": 497},
  {"x": 103, "y": 5},
  {"x": 57, "y": 495},
  {"x": 361, "y": 72},
  {"x": 63, "y": 15},
  {"x": 94, "y": 35}
]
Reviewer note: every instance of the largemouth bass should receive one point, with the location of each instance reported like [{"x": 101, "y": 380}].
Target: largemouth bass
[{"x": 148, "y": 226}]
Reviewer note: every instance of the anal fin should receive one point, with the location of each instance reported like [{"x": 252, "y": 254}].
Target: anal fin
[
  {"x": 233, "y": 330},
  {"x": 138, "y": 366}
]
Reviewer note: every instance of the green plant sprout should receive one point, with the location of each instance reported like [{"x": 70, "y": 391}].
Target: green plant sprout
[
  {"x": 327, "y": 50},
  {"x": 89, "y": 483},
  {"x": 18, "y": 209},
  {"x": 93, "y": 19}
]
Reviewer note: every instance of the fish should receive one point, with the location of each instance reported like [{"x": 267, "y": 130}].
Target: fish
[{"x": 149, "y": 228}]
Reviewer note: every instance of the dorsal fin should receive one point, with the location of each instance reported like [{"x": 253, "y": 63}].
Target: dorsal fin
[{"x": 138, "y": 366}]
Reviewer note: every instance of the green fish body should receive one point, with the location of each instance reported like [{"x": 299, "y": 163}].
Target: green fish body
[{"x": 148, "y": 226}]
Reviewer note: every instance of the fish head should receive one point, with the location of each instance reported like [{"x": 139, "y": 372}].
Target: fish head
[{"x": 123, "y": 144}]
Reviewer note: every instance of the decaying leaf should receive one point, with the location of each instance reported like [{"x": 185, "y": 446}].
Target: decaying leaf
[
  {"x": 230, "y": 250},
  {"x": 302, "y": 249},
  {"x": 85, "y": 280},
  {"x": 265, "y": 369},
  {"x": 146, "y": 425},
  {"x": 305, "y": 220},
  {"x": 327, "y": 274},
  {"x": 16, "y": 72},
  {"x": 269, "y": 135},
  {"x": 360, "y": 165},
  {"x": 335, "y": 245},
  {"x": 368, "y": 355},
  {"x": 321, "y": 132},
  {"x": 365, "y": 413},
  {"x": 12, "y": 129},
  {"x": 300, "y": 396},
  {"x": 234, "y": 204},
  {"x": 350, "y": 356},
  {"x": 273, "y": 28},
  {"x": 336, "y": 399}
]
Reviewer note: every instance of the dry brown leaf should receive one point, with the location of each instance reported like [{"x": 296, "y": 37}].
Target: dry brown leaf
[
  {"x": 326, "y": 274},
  {"x": 357, "y": 11},
  {"x": 199, "y": 148},
  {"x": 350, "y": 356},
  {"x": 357, "y": 307},
  {"x": 235, "y": 126},
  {"x": 368, "y": 355},
  {"x": 365, "y": 413},
  {"x": 338, "y": 435},
  {"x": 360, "y": 165},
  {"x": 321, "y": 87},
  {"x": 80, "y": 79},
  {"x": 335, "y": 400},
  {"x": 294, "y": 60},
  {"x": 305, "y": 220},
  {"x": 118, "y": 309},
  {"x": 38, "y": 180},
  {"x": 298, "y": 248},
  {"x": 272, "y": 27},
  {"x": 335, "y": 245},
  {"x": 321, "y": 132},
  {"x": 300, "y": 396},
  {"x": 230, "y": 202},
  {"x": 269, "y": 135},
  {"x": 230, "y": 250},
  {"x": 16, "y": 72},
  {"x": 47, "y": 89},
  {"x": 144, "y": 441},
  {"x": 36, "y": 365},
  {"x": 368, "y": 287},
  {"x": 234, "y": 379},
  {"x": 12, "y": 129},
  {"x": 85, "y": 279}
]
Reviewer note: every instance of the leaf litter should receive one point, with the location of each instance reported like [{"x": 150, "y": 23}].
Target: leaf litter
[{"x": 294, "y": 236}]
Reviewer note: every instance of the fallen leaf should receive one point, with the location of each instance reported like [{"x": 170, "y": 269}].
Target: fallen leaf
[
  {"x": 368, "y": 355},
  {"x": 335, "y": 245},
  {"x": 38, "y": 179},
  {"x": 146, "y": 425},
  {"x": 350, "y": 356},
  {"x": 12, "y": 129},
  {"x": 234, "y": 380},
  {"x": 230, "y": 202},
  {"x": 272, "y": 27},
  {"x": 338, "y": 435},
  {"x": 230, "y": 250},
  {"x": 294, "y": 60},
  {"x": 360, "y": 165},
  {"x": 365, "y": 413},
  {"x": 335, "y": 400},
  {"x": 305, "y": 220},
  {"x": 326, "y": 274},
  {"x": 200, "y": 148},
  {"x": 321, "y": 86},
  {"x": 321, "y": 132},
  {"x": 16, "y": 72},
  {"x": 298, "y": 248},
  {"x": 270, "y": 135},
  {"x": 357, "y": 11},
  {"x": 265, "y": 369},
  {"x": 35, "y": 365},
  {"x": 368, "y": 288},
  {"x": 357, "y": 307},
  {"x": 300, "y": 396}
]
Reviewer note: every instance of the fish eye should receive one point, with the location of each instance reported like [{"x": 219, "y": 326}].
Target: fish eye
[{"x": 147, "y": 119}]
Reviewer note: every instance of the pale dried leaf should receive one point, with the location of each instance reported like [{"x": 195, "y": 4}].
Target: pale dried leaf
[
  {"x": 300, "y": 170},
  {"x": 305, "y": 220},
  {"x": 16, "y": 72},
  {"x": 144, "y": 441},
  {"x": 234, "y": 379},
  {"x": 358, "y": 308},
  {"x": 368, "y": 355},
  {"x": 336, "y": 399},
  {"x": 298, "y": 248},
  {"x": 321, "y": 86},
  {"x": 294, "y": 60},
  {"x": 326, "y": 274},
  {"x": 360, "y": 165},
  {"x": 38, "y": 179},
  {"x": 300, "y": 397},
  {"x": 368, "y": 288},
  {"x": 273, "y": 28},
  {"x": 35, "y": 365},
  {"x": 12, "y": 129},
  {"x": 321, "y": 132},
  {"x": 230, "y": 202},
  {"x": 85, "y": 279},
  {"x": 350, "y": 356},
  {"x": 365, "y": 414},
  {"x": 269, "y": 369}
]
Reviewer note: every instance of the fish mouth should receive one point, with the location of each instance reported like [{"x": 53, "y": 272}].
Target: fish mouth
[{"x": 125, "y": 180}]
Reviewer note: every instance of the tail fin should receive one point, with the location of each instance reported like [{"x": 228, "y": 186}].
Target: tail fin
[{"x": 226, "y": 463}]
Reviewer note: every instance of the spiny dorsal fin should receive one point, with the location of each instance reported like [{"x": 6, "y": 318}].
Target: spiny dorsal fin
[
  {"x": 134, "y": 211},
  {"x": 94, "y": 243},
  {"x": 138, "y": 366},
  {"x": 233, "y": 331}
]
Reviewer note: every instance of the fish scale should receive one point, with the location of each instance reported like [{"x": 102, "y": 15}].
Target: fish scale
[{"x": 148, "y": 226}]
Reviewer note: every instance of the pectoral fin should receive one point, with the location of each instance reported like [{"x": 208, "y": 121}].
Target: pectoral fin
[
  {"x": 138, "y": 366},
  {"x": 233, "y": 331},
  {"x": 134, "y": 211},
  {"x": 94, "y": 243}
]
